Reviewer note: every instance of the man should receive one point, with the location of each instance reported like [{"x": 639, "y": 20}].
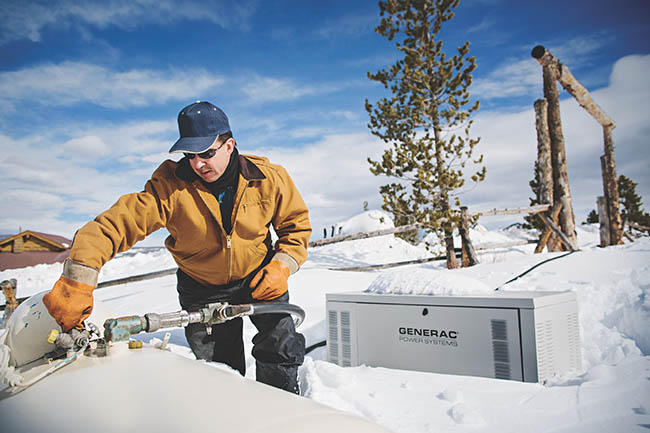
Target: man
[{"x": 217, "y": 206}]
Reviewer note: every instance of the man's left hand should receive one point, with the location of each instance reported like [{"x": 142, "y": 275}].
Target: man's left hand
[{"x": 270, "y": 282}]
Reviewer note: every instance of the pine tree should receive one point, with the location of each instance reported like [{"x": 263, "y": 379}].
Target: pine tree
[
  {"x": 631, "y": 203},
  {"x": 592, "y": 218},
  {"x": 430, "y": 101},
  {"x": 534, "y": 221}
]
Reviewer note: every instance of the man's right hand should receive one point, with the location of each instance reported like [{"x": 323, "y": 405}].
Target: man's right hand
[{"x": 70, "y": 302}]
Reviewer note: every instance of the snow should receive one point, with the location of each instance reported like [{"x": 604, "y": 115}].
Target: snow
[{"x": 610, "y": 394}]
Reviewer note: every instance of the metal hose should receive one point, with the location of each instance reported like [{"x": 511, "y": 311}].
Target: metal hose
[
  {"x": 228, "y": 312},
  {"x": 276, "y": 307},
  {"x": 122, "y": 328}
]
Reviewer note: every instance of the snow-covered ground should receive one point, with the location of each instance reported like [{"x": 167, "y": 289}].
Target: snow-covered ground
[{"x": 610, "y": 394}]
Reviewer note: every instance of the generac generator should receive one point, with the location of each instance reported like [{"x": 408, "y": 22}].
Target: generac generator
[{"x": 523, "y": 336}]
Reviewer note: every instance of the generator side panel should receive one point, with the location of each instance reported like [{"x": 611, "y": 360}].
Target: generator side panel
[
  {"x": 442, "y": 339},
  {"x": 557, "y": 337},
  {"x": 341, "y": 326},
  {"x": 528, "y": 345}
]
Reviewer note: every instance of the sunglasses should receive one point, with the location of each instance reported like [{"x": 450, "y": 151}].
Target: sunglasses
[{"x": 204, "y": 155}]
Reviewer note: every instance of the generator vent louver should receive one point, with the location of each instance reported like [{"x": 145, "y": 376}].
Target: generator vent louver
[
  {"x": 333, "y": 337},
  {"x": 345, "y": 339},
  {"x": 546, "y": 351},
  {"x": 500, "y": 349},
  {"x": 573, "y": 327}
]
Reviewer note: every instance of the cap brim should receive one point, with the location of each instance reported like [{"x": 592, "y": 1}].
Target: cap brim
[{"x": 192, "y": 144}]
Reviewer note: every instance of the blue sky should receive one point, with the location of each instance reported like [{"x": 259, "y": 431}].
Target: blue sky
[{"x": 91, "y": 91}]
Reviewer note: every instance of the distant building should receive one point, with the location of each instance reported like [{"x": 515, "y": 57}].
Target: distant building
[{"x": 32, "y": 248}]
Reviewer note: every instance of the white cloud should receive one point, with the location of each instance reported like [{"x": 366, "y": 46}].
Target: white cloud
[
  {"x": 55, "y": 188},
  {"x": 27, "y": 19},
  {"x": 351, "y": 25},
  {"x": 86, "y": 147},
  {"x": 522, "y": 76},
  {"x": 71, "y": 83},
  {"x": 332, "y": 172},
  {"x": 260, "y": 89},
  {"x": 510, "y": 145},
  {"x": 515, "y": 78},
  {"x": 579, "y": 50}
]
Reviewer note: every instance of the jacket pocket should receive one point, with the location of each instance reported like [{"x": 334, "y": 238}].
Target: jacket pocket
[{"x": 254, "y": 219}]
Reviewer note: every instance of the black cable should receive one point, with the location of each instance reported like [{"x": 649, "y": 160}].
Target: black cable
[
  {"x": 278, "y": 307},
  {"x": 537, "y": 265},
  {"x": 315, "y": 346}
]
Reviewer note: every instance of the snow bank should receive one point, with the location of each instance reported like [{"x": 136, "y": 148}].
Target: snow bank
[
  {"x": 421, "y": 281},
  {"x": 366, "y": 222},
  {"x": 611, "y": 394}
]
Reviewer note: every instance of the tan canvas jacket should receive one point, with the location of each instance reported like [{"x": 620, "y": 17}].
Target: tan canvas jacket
[{"x": 175, "y": 198}]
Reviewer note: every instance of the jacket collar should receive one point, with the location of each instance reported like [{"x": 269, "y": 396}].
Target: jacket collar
[{"x": 247, "y": 168}]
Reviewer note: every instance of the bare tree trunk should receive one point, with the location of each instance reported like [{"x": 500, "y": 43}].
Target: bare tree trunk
[
  {"x": 448, "y": 227},
  {"x": 544, "y": 166},
  {"x": 452, "y": 262},
  {"x": 561, "y": 190},
  {"x": 611, "y": 187},
  {"x": 603, "y": 219},
  {"x": 468, "y": 254}
]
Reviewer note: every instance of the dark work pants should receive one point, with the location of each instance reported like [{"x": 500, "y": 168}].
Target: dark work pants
[{"x": 277, "y": 348}]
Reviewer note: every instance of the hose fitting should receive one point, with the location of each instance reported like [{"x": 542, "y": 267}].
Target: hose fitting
[{"x": 122, "y": 328}]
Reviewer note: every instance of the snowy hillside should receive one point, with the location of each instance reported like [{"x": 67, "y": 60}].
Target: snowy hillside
[{"x": 610, "y": 394}]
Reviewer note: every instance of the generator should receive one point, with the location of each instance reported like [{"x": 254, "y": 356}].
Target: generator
[{"x": 524, "y": 336}]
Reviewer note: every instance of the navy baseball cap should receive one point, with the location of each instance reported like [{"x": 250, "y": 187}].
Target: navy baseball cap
[{"x": 199, "y": 124}]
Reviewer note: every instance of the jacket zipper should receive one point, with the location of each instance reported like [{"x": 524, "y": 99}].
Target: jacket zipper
[{"x": 232, "y": 230}]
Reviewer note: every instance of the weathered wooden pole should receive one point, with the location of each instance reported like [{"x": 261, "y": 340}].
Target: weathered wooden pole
[
  {"x": 603, "y": 220},
  {"x": 364, "y": 235},
  {"x": 610, "y": 186},
  {"x": 561, "y": 190},
  {"x": 578, "y": 91},
  {"x": 571, "y": 85},
  {"x": 545, "y": 238},
  {"x": 568, "y": 244},
  {"x": 544, "y": 166},
  {"x": 468, "y": 256}
]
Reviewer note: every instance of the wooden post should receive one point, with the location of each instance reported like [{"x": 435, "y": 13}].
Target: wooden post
[
  {"x": 603, "y": 219},
  {"x": 364, "y": 235},
  {"x": 512, "y": 211},
  {"x": 577, "y": 90},
  {"x": 544, "y": 166},
  {"x": 568, "y": 244},
  {"x": 571, "y": 85},
  {"x": 610, "y": 185},
  {"x": 468, "y": 254},
  {"x": 561, "y": 190},
  {"x": 545, "y": 239}
]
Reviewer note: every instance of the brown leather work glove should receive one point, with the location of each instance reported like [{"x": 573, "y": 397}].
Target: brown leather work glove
[
  {"x": 270, "y": 282},
  {"x": 70, "y": 301}
]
